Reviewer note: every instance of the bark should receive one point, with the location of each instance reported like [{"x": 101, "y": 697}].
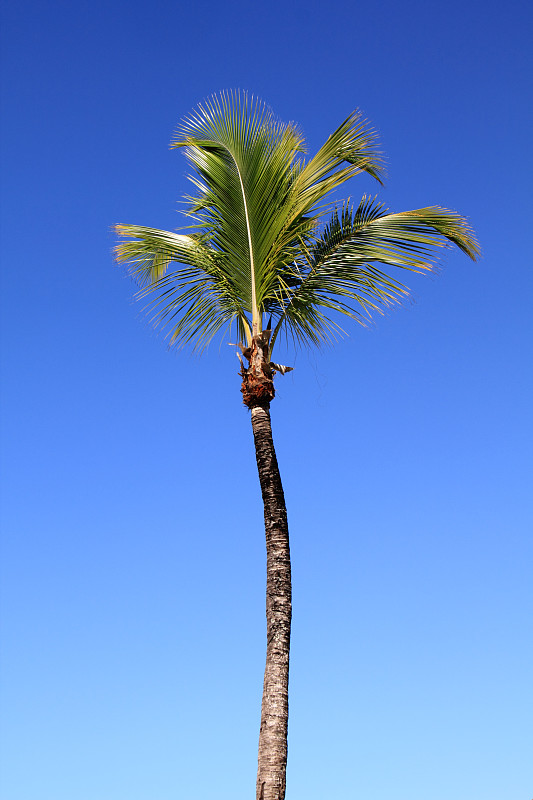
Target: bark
[
  {"x": 272, "y": 758},
  {"x": 257, "y": 392}
]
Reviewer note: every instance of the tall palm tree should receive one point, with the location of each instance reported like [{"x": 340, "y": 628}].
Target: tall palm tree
[{"x": 257, "y": 250}]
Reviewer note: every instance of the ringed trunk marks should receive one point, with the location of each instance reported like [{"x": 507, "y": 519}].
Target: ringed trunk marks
[{"x": 272, "y": 756}]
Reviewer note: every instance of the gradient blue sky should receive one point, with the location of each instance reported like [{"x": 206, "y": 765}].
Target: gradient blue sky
[{"x": 133, "y": 554}]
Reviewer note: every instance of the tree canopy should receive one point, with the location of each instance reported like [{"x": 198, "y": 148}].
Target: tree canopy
[{"x": 263, "y": 239}]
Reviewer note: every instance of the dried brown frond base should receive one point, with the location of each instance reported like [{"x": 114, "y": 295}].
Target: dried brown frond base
[{"x": 258, "y": 378}]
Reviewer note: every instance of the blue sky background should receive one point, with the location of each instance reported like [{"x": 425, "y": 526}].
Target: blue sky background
[{"x": 133, "y": 553}]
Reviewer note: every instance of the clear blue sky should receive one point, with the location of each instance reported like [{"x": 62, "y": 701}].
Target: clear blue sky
[{"x": 133, "y": 553}]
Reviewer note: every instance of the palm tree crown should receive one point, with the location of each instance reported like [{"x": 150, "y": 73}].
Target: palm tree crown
[{"x": 257, "y": 248}]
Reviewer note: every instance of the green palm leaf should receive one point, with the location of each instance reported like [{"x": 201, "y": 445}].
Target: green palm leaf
[
  {"x": 243, "y": 160},
  {"x": 341, "y": 273},
  {"x": 197, "y": 300}
]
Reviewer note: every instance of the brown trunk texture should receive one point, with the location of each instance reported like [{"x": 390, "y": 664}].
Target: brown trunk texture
[{"x": 272, "y": 759}]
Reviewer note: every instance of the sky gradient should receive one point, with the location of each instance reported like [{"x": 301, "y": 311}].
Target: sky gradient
[{"x": 133, "y": 551}]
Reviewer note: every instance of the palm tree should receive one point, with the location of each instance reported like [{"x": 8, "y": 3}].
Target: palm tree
[{"x": 255, "y": 251}]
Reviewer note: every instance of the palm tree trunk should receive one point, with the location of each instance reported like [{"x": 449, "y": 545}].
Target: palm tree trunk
[{"x": 272, "y": 759}]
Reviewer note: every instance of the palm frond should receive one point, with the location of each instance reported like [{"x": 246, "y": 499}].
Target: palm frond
[
  {"x": 198, "y": 299},
  {"x": 341, "y": 274},
  {"x": 354, "y": 142},
  {"x": 243, "y": 160},
  {"x": 149, "y": 251},
  {"x": 406, "y": 239}
]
